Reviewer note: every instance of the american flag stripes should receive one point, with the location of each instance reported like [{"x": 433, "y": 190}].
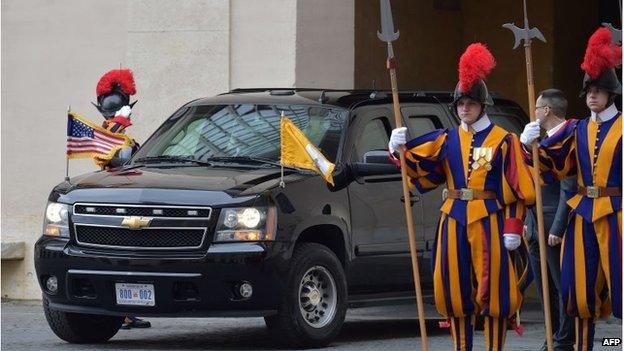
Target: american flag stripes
[{"x": 86, "y": 139}]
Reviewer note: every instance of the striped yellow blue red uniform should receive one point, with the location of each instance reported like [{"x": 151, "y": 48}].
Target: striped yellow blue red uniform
[
  {"x": 473, "y": 272},
  {"x": 591, "y": 260},
  {"x": 118, "y": 124}
]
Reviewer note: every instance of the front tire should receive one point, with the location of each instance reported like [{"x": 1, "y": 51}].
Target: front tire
[
  {"x": 77, "y": 328},
  {"x": 314, "y": 303}
]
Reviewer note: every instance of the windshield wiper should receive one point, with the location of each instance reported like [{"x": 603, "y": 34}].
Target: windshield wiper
[
  {"x": 246, "y": 159},
  {"x": 171, "y": 158}
]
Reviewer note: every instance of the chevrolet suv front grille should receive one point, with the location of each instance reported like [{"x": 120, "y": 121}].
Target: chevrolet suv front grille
[
  {"x": 140, "y": 227},
  {"x": 133, "y": 210},
  {"x": 139, "y": 239}
]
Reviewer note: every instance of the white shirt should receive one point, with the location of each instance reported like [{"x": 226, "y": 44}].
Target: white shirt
[
  {"x": 605, "y": 115},
  {"x": 554, "y": 129},
  {"x": 478, "y": 125}
]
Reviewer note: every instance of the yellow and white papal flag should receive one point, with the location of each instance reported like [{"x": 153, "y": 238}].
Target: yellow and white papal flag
[{"x": 298, "y": 151}]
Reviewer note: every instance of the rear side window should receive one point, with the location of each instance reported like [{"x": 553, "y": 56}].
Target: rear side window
[
  {"x": 508, "y": 117},
  {"x": 419, "y": 125},
  {"x": 374, "y": 137}
]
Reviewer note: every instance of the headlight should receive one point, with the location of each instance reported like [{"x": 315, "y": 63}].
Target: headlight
[
  {"x": 246, "y": 224},
  {"x": 56, "y": 222}
]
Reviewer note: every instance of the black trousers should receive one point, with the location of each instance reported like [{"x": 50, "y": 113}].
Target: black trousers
[{"x": 562, "y": 324}]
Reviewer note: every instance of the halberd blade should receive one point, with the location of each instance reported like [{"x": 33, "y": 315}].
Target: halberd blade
[{"x": 387, "y": 33}]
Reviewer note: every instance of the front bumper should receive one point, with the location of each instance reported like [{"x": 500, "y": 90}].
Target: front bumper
[{"x": 185, "y": 284}]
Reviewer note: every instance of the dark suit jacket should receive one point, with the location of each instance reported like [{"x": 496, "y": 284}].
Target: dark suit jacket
[{"x": 554, "y": 197}]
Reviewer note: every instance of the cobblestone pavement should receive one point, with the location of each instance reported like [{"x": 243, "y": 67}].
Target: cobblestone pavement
[{"x": 380, "y": 328}]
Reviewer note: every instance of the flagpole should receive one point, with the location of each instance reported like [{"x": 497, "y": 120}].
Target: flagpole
[
  {"x": 67, "y": 158},
  {"x": 281, "y": 183}
]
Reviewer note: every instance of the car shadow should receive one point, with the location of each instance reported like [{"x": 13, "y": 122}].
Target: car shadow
[
  {"x": 258, "y": 338},
  {"x": 354, "y": 331}
]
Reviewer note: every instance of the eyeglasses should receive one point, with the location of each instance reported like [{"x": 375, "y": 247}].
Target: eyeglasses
[{"x": 545, "y": 106}]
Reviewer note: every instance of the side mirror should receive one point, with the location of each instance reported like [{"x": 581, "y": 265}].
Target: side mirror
[{"x": 344, "y": 174}]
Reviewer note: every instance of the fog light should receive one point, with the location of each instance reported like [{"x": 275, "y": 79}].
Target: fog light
[
  {"x": 52, "y": 284},
  {"x": 245, "y": 290}
]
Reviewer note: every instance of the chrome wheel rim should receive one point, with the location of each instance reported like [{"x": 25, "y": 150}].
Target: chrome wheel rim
[{"x": 317, "y": 297}]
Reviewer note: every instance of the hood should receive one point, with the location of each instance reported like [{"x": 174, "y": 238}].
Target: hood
[{"x": 144, "y": 181}]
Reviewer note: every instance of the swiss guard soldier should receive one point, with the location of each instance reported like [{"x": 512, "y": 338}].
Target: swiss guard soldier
[
  {"x": 489, "y": 186},
  {"x": 113, "y": 93},
  {"x": 591, "y": 149}
]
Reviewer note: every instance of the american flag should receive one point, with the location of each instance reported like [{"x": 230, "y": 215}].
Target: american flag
[{"x": 86, "y": 139}]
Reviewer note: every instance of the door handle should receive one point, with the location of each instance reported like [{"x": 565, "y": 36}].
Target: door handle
[{"x": 413, "y": 198}]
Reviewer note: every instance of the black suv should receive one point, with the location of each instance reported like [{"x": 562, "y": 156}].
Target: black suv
[{"x": 199, "y": 223}]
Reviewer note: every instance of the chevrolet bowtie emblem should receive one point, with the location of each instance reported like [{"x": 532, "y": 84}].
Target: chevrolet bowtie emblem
[{"x": 135, "y": 222}]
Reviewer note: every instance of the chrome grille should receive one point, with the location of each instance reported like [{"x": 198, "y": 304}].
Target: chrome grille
[
  {"x": 140, "y": 227},
  {"x": 133, "y": 210}
]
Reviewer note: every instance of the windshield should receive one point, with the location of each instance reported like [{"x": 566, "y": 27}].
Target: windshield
[{"x": 236, "y": 131}]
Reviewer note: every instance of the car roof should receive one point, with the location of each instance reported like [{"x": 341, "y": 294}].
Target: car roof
[{"x": 347, "y": 98}]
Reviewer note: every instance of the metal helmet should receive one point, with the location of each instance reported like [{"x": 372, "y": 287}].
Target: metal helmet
[
  {"x": 601, "y": 58},
  {"x": 113, "y": 91},
  {"x": 608, "y": 81},
  {"x": 108, "y": 104},
  {"x": 478, "y": 92},
  {"x": 474, "y": 65}
]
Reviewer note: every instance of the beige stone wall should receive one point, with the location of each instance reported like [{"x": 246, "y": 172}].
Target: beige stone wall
[
  {"x": 263, "y": 43},
  {"x": 54, "y": 52},
  {"x": 53, "y": 55},
  {"x": 179, "y": 51},
  {"x": 325, "y": 44}
]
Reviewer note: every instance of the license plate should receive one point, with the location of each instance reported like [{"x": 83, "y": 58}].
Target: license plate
[{"x": 135, "y": 294}]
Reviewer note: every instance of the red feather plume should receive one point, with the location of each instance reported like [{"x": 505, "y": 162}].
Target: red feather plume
[
  {"x": 122, "y": 78},
  {"x": 474, "y": 64},
  {"x": 601, "y": 54}
]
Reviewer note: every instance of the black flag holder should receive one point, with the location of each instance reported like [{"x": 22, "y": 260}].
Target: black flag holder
[{"x": 66, "y": 156}]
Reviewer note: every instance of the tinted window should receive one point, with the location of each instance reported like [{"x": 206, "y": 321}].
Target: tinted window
[
  {"x": 508, "y": 117},
  {"x": 374, "y": 137},
  {"x": 419, "y": 125},
  {"x": 243, "y": 130}
]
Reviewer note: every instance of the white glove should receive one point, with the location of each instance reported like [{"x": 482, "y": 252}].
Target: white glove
[
  {"x": 126, "y": 152},
  {"x": 124, "y": 111},
  {"x": 398, "y": 138},
  {"x": 512, "y": 241},
  {"x": 530, "y": 133}
]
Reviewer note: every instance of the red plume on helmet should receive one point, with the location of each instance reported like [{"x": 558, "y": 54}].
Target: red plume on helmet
[
  {"x": 601, "y": 54},
  {"x": 474, "y": 64},
  {"x": 116, "y": 79},
  {"x": 113, "y": 91}
]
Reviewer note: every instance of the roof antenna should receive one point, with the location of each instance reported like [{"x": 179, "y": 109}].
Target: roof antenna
[{"x": 373, "y": 94}]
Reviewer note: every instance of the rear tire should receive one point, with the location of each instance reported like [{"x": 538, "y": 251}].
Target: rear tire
[
  {"x": 314, "y": 303},
  {"x": 77, "y": 328}
]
